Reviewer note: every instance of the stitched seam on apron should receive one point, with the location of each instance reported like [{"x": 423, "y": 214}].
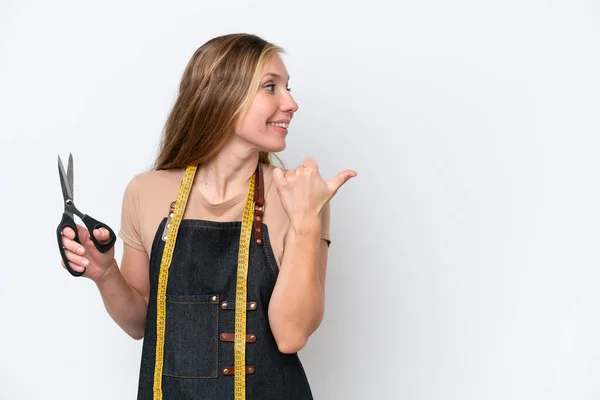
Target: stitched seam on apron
[
  {"x": 217, "y": 342},
  {"x": 266, "y": 251},
  {"x": 201, "y": 224},
  {"x": 192, "y": 377}
]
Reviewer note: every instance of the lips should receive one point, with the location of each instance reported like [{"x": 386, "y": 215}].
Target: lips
[{"x": 279, "y": 124}]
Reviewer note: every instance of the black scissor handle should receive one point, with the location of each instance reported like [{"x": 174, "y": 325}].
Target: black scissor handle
[
  {"x": 67, "y": 221},
  {"x": 92, "y": 224}
]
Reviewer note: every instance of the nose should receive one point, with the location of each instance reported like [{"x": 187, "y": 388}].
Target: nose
[{"x": 288, "y": 104}]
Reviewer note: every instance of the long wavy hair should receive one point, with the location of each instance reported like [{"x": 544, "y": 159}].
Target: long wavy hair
[{"x": 217, "y": 87}]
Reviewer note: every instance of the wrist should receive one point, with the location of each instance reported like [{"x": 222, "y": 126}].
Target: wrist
[
  {"x": 305, "y": 226},
  {"x": 108, "y": 274}
]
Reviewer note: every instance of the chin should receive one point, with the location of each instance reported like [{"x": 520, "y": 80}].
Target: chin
[{"x": 273, "y": 147}]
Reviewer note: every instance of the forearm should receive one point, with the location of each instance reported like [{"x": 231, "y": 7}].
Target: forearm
[
  {"x": 124, "y": 304},
  {"x": 297, "y": 304}
]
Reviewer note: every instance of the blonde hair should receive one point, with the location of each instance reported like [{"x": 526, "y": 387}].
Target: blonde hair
[{"x": 218, "y": 85}]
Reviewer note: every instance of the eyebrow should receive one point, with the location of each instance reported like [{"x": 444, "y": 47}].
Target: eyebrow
[{"x": 277, "y": 76}]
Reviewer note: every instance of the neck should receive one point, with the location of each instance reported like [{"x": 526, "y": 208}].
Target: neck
[{"x": 228, "y": 174}]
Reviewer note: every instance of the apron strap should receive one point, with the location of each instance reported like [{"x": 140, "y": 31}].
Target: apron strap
[{"x": 259, "y": 205}]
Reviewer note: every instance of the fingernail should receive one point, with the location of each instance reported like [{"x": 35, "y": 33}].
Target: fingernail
[
  {"x": 80, "y": 250},
  {"x": 85, "y": 263}
]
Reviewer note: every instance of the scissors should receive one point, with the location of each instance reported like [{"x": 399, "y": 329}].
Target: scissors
[{"x": 66, "y": 183}]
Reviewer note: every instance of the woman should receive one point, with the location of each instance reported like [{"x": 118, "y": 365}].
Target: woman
[{"x": 216, "y": 225}]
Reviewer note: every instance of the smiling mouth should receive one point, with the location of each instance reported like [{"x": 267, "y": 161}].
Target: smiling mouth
[{"x": 279, "y": 124}]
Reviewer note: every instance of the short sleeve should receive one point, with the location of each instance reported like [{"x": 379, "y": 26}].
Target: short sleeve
[
  {"x": 130, "y": 216},
  {"x": 325, "y": 222}
]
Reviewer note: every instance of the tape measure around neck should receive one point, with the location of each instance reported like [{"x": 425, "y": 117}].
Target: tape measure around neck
[
  {"x": 241, "y": 286},
  {"x": 241, "y": 295}
]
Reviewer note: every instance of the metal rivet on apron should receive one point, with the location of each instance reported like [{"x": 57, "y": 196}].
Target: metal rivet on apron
[
  {"x": 257, "y": 218},
  {"x": 225, "y": 371},
  {"x": 223, "y": 336},
  {"x": 257, "y": 229},
  {"x": 252, "y": 337},
  {"x": 214, "y": 298},
  {"x": 171, "y": 215},
  {"x": 168, "y": 226},
  {"x": 165, "y": 237},
  {"x": 250, "y": 369},
  {"x": 252, "y": 306},
  {"x": 258, "y": 241},
  {"x": 224, "y": 305}
]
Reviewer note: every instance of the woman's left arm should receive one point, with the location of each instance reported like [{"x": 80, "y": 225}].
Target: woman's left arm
[{"x": 298, "y": 301}]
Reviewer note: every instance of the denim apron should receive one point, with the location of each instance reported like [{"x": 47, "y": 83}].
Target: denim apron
[{"x": 200, "y": 319}]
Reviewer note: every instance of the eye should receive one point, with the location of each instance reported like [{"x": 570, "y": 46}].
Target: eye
[{"x": 271, "y": 87}]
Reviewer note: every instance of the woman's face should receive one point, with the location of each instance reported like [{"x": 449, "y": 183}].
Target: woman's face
[{"x": 265, "y": 124}]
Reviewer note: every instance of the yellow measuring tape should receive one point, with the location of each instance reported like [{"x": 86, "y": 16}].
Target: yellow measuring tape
[
  {"x": 241, "y": 295},
  {"x": 241, "y": 286}
]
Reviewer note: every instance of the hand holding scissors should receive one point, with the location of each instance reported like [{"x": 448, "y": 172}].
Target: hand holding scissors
[{"x": 66, "y": 182}]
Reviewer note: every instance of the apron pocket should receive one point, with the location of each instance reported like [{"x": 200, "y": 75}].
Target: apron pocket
[{"x": 191, "y": 336}]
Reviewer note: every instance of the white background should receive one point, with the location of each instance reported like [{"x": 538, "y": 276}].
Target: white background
[{"x": 464, "y": 262}]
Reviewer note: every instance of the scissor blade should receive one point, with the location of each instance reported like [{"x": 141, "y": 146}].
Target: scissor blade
[
  {"x": 70, "y": 176},
  {"x": 66, "y": 190}
]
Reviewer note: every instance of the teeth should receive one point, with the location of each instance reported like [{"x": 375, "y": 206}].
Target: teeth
[{"x": 280, "y": 124}]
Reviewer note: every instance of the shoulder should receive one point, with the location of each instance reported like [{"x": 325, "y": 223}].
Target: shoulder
[
  {"x": 145, "y": 183},
  {"x": 149, "y": 178},
  {"x": 150, "y": 188}
]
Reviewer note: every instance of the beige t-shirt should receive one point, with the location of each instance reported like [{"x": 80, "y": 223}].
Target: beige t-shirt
[{"x": 148, "y": 196}]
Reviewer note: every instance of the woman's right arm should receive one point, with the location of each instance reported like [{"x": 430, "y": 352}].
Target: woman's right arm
[{"x": 125, "y": 291}]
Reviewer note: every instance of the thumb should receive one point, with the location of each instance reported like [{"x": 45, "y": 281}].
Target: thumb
[
  {"x": 335, "y": 183},
  {"x": 101, "y": 234}
]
